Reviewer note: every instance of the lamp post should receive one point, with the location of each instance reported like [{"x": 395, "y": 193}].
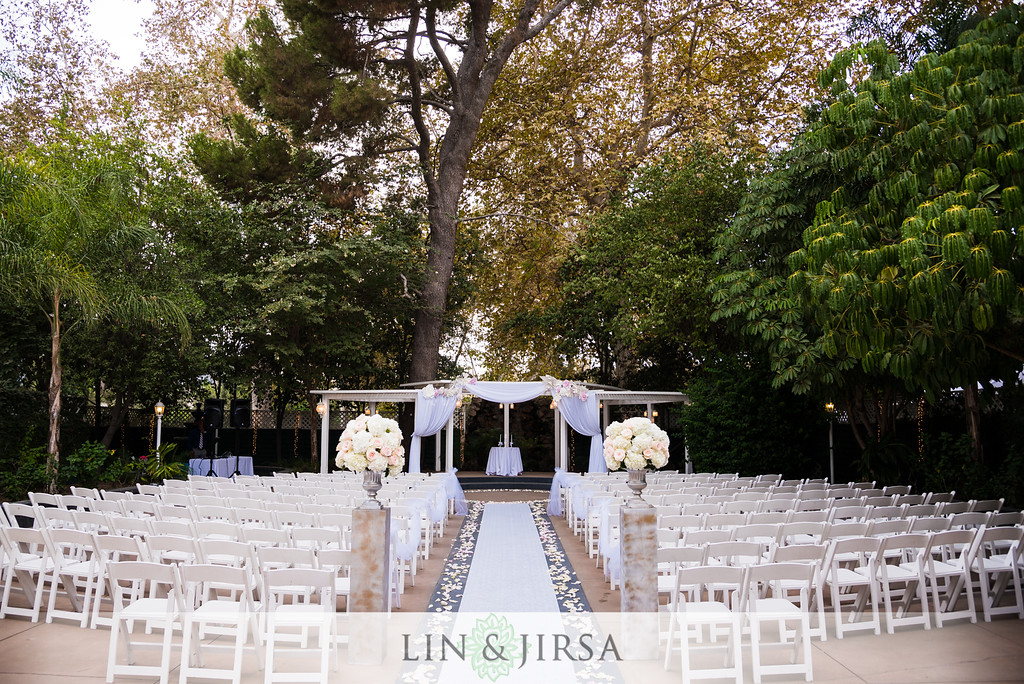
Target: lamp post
[
  {"x": 159, "y": 410},
  {"x": 831, "y": 408},
  {"x": 321, "y": 409}
]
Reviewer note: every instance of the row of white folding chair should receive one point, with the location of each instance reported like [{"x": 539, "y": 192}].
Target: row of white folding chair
[
  {"x": 945, "y": 564},
  {"x": 74, "y": 561},
  {"x": 745, "y": 600},
  {"x": 194, "y": 599},
  {"x": 784, "y": 533},
  {"x": 862, "y": 568},
  {"x": 314, "y": 516}
]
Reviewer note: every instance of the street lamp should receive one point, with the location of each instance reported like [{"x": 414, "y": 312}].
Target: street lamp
[
  {"x": 831, "y": 408},
  {"x": 159, "y": 410},
  {"x": 321, "y": 408}
]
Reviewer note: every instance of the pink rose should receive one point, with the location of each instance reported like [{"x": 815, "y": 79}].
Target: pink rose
[
  {"x": 619, "y": 454},
  {"x": 377, "y": 443},
  {"x": 386, "y": 450},
  {"x": 648, "y": 452},
  {"x": 626, "y": 433},
  {"x": 393, "y": 459},
  {"x": 583, "y": 396}
]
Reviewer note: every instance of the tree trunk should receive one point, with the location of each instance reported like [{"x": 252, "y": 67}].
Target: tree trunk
[
  {"x": 280, "y": 408},
  {"x": 314, "y": 436},
  {"x": 117, "y": 417},
  {"x": 56, "y": 373},
  {"x": 472, "y": 85},
  {"x": 972, "y": 407}
]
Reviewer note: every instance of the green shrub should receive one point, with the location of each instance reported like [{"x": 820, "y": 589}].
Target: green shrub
[{"x": 162, "y": 464}]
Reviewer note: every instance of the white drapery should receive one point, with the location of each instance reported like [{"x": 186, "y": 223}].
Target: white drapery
[
  {"x": 506, "y": 392},
  {"x": 433, "y": 412},
  {"x": 431, "y": 415},
  {"x": 583, "y": 417}
]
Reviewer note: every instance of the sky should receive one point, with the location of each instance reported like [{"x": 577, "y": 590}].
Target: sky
[{"x": 119, "y": 22}]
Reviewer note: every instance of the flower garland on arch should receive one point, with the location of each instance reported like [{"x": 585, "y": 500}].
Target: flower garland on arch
[
  {"x": 455, "y": 388},
  {"x": 560, "y": 389}
]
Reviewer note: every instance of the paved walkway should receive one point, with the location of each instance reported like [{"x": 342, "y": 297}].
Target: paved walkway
[{"x": 993, "y": 652}]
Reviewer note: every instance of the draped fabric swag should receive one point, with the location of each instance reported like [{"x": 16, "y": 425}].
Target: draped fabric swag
[{"x": 434, "y": 408}]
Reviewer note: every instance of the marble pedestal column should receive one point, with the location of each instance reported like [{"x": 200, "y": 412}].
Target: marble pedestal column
[
  {"x": 638, "y": 547},
  {"x": 368, "y": 600}
]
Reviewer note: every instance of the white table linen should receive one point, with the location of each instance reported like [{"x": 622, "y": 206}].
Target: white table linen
[{"x": 504, "y": 461}]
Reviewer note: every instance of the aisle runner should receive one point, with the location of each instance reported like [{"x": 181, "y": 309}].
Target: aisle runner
[
  {"x": 510, "y": 607},
  {"x": 451, "y": 586},
  {"x": 509, "y": 571}
]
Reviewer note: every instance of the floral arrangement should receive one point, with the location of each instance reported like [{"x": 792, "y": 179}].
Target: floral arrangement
[
  {"x": 373, "y": 442},
  {"x": 636, "y": 442}
]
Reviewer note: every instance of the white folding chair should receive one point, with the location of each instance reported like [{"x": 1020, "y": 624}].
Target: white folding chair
[
  {"x": 813, "y": 554},
  {"x": 41, "y": 499},
  {"x": 316, "y": 538},
  {"x": 907, "y": 570},
  {"x": 778, "y": 608},
  {"x": 282, "y": 616},
  {"x": 987, "y": 505},
  {"x": 159, "y": 603},
  {"x": 998, "y": 570},
  {"x": 16, "y": 510},
  {"x": 111, "y": 548},
  {"x": 339, "y": 561},
  {"x": 949, "y": 572},
  {"x": 266, "y": 536},
  {"x": 77, "y": 570},
  {"x": 693, "y": 611},
  {"x": 29, "y": 560},
  {"x": 170, "y": 548},
  {"x": 851, "y": 574},
  {"x": 236, "y": 614}
]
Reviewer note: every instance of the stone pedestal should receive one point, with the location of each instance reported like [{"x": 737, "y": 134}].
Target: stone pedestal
[
  {"x": 368, "y": 600},
  {"x": 638, "y": 546}
]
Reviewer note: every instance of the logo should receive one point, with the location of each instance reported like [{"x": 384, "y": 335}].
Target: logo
[{"x": 493, "y": 648}]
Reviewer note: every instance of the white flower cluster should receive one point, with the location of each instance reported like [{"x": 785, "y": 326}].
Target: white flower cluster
[
  {"x": 373, "y": 442},
  {"x": 560, "y": 389},
  {"x": 455, "y": 387},
  {"x": 635, "y": 442}
]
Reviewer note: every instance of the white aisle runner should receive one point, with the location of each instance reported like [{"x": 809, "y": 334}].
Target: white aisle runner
[
  {"x": 508, "y": 596},
  {"x": 509, "y": 572}
]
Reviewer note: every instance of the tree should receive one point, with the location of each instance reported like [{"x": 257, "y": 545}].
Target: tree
[
  {"x": 315, "y": 295},
  {"x": 179, "y": 87},
  {"x": 633, "y": 290},
  {"x": 54, "y": 68},
  {"x": 911, "y": 268},
  {"x": 353, "y": 77},
  {"x": 613, "y": 88},
  {"x": 737, "y": 422},
  {"x": 66, "y": 208}
]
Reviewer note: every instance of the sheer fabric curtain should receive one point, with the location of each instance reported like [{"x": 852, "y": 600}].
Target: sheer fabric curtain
[
  {"x": 431, "y": 415},
  {"x": 584, "y": 418},
  {"x": 506, "y": 392}
]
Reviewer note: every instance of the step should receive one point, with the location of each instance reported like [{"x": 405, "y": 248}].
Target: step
[{"x": 531, "y": 482}]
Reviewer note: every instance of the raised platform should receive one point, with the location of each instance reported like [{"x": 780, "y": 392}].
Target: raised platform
[{"x": 476, "y": 480}]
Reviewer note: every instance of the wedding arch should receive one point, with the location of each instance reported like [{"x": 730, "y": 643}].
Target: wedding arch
[{"x": 581, "y": 406}]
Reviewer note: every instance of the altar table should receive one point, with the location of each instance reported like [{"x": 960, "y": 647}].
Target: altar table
[{"x": 504, "y": 461}]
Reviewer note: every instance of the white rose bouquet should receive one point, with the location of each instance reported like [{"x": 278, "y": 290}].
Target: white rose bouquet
[
  {"x": 636, "y": 442},
  {"x": 373, "y": 442}
]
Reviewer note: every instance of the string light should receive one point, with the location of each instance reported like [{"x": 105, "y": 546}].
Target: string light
[{"x": 920, "y": 428}]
